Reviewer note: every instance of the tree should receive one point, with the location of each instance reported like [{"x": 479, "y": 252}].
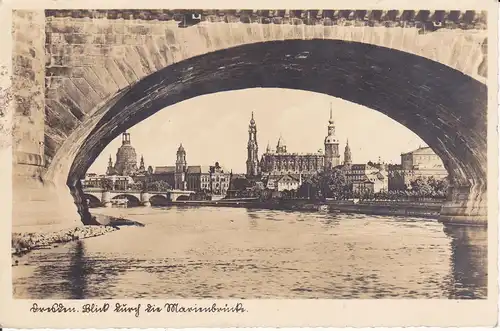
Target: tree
[
  {"x": 107, "y": 184},
  {"x": 240, "y": 184},
  {"x": 137, "y": 186},
  {"x": 158, "y": 186},
  {"x": 333, "y": 184},
  {"x": 421, "y": 187},
  {"x": 310, "y": 188}
]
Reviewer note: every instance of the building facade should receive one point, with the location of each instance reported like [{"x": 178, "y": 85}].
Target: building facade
[
  {"x": 282, "y": 162},
  {"x": 422, "y": 162},
  {"x": 364, "y": 178},
  {"x": 112, "y": 182},
  {"x": 211, "y": 179}
]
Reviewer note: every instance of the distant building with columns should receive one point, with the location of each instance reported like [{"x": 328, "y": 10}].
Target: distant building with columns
[{"x": 422, "y": 162}]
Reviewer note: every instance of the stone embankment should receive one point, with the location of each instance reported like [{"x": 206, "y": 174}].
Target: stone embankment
[{"x": 25, "y": 242}]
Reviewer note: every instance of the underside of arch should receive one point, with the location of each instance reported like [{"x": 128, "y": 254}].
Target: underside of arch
[{"x": 444, "y": 107}]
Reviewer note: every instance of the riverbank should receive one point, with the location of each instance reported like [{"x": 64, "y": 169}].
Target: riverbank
[
  {"x": 25, "y": 242},
  {"x": 389, "y": 208},
  {"x": 22, "y": 243}
]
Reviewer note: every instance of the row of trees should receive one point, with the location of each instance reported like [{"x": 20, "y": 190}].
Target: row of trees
[
  {"x": 334, "y": 185},
  {"x": 152, "y": 186}
]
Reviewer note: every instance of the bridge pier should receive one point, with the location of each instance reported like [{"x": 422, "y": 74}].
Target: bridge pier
[
  {"x": 467, "y": 205},
  {"x": 39, "y": 205},
  {"x": 106, "y": 199},
  {"x": 145, "y": 199}
]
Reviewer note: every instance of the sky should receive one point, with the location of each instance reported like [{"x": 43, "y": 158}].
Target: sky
[{"x": 214, "y": 128}]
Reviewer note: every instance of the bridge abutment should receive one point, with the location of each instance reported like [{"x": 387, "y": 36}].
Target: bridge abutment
[
  {"x": 38, "y": 205},
  {"x": 467, "y": 205}
]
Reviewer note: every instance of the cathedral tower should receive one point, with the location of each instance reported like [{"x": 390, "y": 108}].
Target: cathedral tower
[
  {"x": 332, "y": 155},
  {"x": 347, "y": 154},
  {"x": 180, "y": 169},
  {"x": 253, "y": 150}
]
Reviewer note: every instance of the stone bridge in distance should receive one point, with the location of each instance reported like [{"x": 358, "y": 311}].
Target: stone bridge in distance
[
  {"x": 104, "y": 198},
  {"x": 82, "y": 77}
]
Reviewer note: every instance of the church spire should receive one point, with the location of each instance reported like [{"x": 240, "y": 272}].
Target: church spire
[
  {"x": 347, "y": 154},
  {"x": 331, "y": 115},
  {"x": 110, "y": 169},
  {"x": 252, "y": 149},
  {"x": 141, "y": 166}
]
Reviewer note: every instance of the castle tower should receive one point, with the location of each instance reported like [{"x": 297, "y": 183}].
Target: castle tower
[
  {"x": 180, "y": 169},
  {"x": 332, "y": 155},
  {"x": 347, "y": 154},
  {"x": 142, "y": 168},
  {"x": 110, "y": 170},
  {"x": 253, "y": 150}
]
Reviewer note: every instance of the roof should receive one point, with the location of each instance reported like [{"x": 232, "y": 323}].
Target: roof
[
  {"x": 293, "y": 178},
  {"x": 421, "y": 150},
  {"x": 198, "y": 169},
  {"x": 164, "y": 170}
]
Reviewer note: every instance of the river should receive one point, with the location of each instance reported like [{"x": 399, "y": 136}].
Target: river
[{"x": 206, "y": 252}]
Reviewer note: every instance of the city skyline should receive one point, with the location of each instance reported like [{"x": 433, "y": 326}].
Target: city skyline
[{"x": 277, "y": 112}]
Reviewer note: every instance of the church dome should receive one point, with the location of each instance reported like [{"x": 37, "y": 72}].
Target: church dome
[
  {"x": 126, "y": 157},
  {"x": 181, "y": 149},
  {"x": 126, "y": 153}
]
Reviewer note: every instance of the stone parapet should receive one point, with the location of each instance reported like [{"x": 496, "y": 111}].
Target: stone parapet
[{"x": 425, "y": 19}]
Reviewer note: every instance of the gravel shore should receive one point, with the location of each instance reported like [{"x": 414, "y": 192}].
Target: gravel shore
[{"x": 25, "y": 242}]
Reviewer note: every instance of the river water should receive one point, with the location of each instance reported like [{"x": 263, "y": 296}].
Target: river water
[{"x": 205, "y": 252}]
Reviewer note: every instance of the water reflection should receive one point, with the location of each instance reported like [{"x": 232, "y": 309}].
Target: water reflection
[
  {"x": 469, "y": 261},
  {"x": 203, "y": 252},
  {"x": 78, "y": 271}
]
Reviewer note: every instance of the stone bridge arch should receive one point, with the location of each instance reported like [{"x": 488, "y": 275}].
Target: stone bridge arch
[
  {"x": 140, "y": 56},
  {"x": 158, "y": 200},
  {"x": 95, "y": 201},
  {"x": 134, "y": 198},
  {"x": 444, "y": 107}
]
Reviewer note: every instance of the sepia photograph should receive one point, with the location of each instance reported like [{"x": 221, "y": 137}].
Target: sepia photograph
[{"x": 234, "y": 154}]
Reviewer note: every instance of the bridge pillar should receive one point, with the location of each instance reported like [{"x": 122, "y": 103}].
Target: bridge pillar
[
  {"x": 38, "y": 205},
  {"x": 106, "y": 199},
  {"x": 467, "y": 205},
  {"x": 145, "y": 199}
]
